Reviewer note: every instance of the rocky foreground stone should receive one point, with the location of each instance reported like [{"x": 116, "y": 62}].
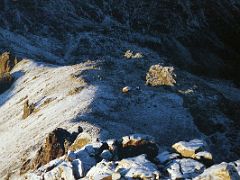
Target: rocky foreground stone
[{"x": 136, "y": 157}]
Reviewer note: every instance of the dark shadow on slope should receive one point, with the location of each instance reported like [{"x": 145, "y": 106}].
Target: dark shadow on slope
[{"x": 141, "y": 111}]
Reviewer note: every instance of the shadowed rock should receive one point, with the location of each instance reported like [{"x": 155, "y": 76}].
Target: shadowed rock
[
  {"x": 7, "y": 62},
  {"x": 138, "y": 144}
]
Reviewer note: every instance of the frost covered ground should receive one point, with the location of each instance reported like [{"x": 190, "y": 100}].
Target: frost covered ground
[
  {"x": 49, "y": 88},
  {"x": 86, "y": 95}
]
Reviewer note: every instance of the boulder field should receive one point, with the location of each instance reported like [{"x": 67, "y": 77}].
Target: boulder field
[{"x": 134, "y": 157}]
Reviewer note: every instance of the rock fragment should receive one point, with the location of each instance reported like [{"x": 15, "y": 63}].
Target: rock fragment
[
  {"x": 126, "y": 89},
  {"x": 130, "y": 55}
]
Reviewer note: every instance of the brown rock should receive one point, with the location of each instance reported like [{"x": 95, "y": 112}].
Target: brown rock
[
  {"x": 7, "y": 62},
  {"x": 53, "y": 147},
  {"x": 27, "y": 109},
  {"x": 6, "y": 65}
]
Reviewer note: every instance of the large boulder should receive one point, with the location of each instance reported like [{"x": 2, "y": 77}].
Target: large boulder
[
  {"x": 196, "y": 149},
  {"x": 138, "y": 168},
  {"x": 223, "y": 171}
]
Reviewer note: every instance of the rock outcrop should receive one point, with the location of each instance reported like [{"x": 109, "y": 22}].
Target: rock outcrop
[
  {"x": 56, "y": 145},
  {"x": 27, "y": 109}
]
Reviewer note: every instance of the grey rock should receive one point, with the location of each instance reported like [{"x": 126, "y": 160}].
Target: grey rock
[
  {"x": 87, "y": 156},
  {"x": 138, "y": 167},
  {"x": 184, "y": 168},
  {"x": 101, "y": 170},
  {"x": 166, "y": 156}
]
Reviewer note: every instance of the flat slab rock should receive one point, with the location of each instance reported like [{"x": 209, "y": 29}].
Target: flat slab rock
[{"x": 193, "y": 149}]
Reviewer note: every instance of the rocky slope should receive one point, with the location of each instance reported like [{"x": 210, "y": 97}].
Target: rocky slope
[
  {"x": 80, "y": 62},
  {"x": 135, "y": 157}
]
